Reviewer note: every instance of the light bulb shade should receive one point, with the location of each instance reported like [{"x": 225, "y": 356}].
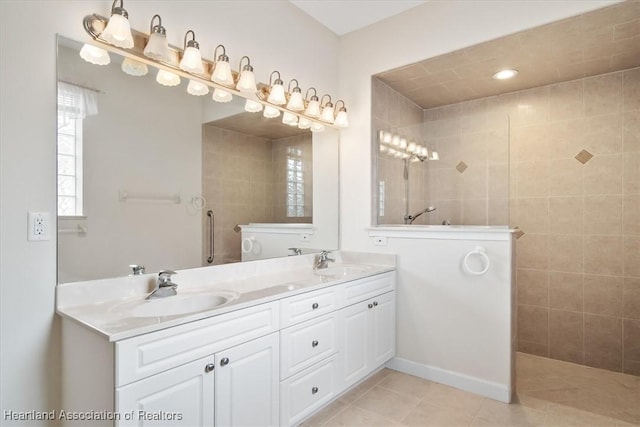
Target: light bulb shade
[
  {"x": 296, "y": 103},
  {"x": 313, "y": 108},
  {"x": 403, "y": 143},
  {"x": 158, "y": 48},
  {"x": 95, "y": 55},
  {"x": 247, "y": 82},
  {"x": 289, "y": 119},
  {"x": 252, "y": 106},
  {"x": 270, "y": 112},
  {"x": 304, "y": 123},
  {"x": 276, "y": 95},
  {"x": 133, "y": 67},
  {"x": 192, "y": 60},
  {"x": 197, "y": 88},
  {"x": 317, "y": 127},
  {"x": 220, "y": 95},
  {"x": 435, "y": 156},
  {"x": 118, "y": 32},
  {"x": 395, "y": 140},
  {"x": 222, "y": 73},
  {"x": 411, "y": 148},
  {"x": 165, "y": 78},
  {"x": 327, "y": 114},
  {"x": 341, "y": 120},
  {"x": 425, "y": 151}
]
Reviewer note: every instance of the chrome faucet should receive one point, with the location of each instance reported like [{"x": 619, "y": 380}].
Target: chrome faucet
[
  {"x": 137, "y": 269},
  {"x": 322, "y": 259},
  {"x": 408, "y": 219},
  {"x": 295, "y": 251},
  {"x": 164, "y": 286}
]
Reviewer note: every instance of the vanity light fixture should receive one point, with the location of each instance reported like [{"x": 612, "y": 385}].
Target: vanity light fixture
[
  {"x": 166, "y": 78},
  {"x": 403, "y": 148},
  {"x": 296, "y": 103},
  {"x": 317, "y": 127},
  {"x": 304, "y": 123},
  {"x": 118, "y": 29},
  {"x": 276, "y": 90},
  {"x": 157, "y": 47},
  {"x": 221, "y": 95},
  {"x": 270, "y": 112},
  {"x": 247, "y": 80},
  {"x": 95, "y": 55},
  {"x": 222, "y": 70},
  {"x": 252, "y": 106},
  {"x": 197, "y": 89},
  {"x": 313, "y": 107},
  {"x": 434, "y": 155},
  {"x": 505, "y": 74},
  {"x": 289, "y": 119},
  {"x": 327, "y": 110},
  {"x": 133, "y": 67},
  {"x": 341, "y": 118},
  {"x": 191, "y": 59}
]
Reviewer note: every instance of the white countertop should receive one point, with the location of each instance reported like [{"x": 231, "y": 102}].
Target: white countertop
[{"x": 98, "y": 304}]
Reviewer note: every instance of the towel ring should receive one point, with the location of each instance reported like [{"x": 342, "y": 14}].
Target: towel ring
[{"x": 482, "y": 253}]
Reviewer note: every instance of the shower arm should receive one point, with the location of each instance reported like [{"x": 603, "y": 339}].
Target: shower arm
[{"x": 408, "y": 219}]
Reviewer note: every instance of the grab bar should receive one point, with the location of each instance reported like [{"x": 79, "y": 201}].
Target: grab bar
[{"x": 211, "y": 236}]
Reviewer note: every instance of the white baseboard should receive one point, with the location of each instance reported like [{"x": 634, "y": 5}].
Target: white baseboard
[{"x": 497, "y": 391}]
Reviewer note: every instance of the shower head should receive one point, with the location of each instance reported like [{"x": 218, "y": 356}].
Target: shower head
[
  {"x": 408, "y": 219},
  {"x": 430, "y": 209}
]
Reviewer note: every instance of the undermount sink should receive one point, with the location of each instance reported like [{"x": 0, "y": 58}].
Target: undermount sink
[
  {"x": 186, "y": 303},
  {"x": 342, "y": 270}
]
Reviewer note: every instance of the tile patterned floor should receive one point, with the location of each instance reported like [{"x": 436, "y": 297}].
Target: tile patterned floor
[{"x": 550, "y": 393}]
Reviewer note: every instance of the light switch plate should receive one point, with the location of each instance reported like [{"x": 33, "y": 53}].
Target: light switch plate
[{"x": 38, "y": 226}]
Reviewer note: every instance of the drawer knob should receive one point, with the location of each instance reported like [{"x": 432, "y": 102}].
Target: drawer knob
[
  {"x": 314, "y": 343},
  {"x": 314, "y": 390},
  {"x": 370, "y": 305},
  {"x": 375, "y": 303},
  {"x": 210, "y": 367},
  {"x": 314, "y": 305},
  {"x": 224, "y": 361}
]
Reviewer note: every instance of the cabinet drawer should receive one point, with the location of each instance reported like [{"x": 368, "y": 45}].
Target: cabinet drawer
[
  {"x": 363, "y": 289},
  {"x": 303, "y": 394},
  {"x": 307, "y": 343},
  {"x": 303, "y": 307},
  {"x": 149, "y": 354}
]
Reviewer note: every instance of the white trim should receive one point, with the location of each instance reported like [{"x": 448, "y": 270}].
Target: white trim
[
  {"x": 492, "y": 390},
  {"x": 279, "y": 228},
  {"x": 448, "y": 232}
]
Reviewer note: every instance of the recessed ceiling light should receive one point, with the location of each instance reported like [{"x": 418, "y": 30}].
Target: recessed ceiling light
[{"x": 505, "y": 74}]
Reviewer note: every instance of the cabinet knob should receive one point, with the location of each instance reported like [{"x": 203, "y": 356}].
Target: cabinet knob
[
  {"x": 224, "y": 361},
  {"x": 314, "y": 305},
  {"x": 210, "y": 367},
  {"x": 314, "y": 390},
  {"x": 370, "y": 305},
  {"x": 375, "y": 303},
  {"x": 314, "y": 343}
]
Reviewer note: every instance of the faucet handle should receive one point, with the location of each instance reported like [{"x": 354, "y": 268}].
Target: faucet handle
[
  {"x": 137, "y": 269},
  {"x": 164, "y": 276}
]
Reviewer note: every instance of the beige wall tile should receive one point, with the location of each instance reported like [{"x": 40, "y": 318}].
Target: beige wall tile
[
  {"x": 603, "y": 342},
  {"x": 631, "y": 251},
  {"x": 566, "y": 177},
  {"x": 538, "y": 349},
  {"x": 566, "y": 253},
  {"x": 566, "y": 291},
  {"x": 603, "y": 94},
  {"x": 631, "y": 131},
  {"x": 566, "y": 100},
  {"x": 531, "y": 142},
  {"x": 474, "y": 182},
  {"x": 603, "y": 215},
  {"x": 603, "y": 295},
  {"x": 498, "y": 212},
  {"x": 603, "y": 175},
  {"x": 603, "y": 255},
  {"x": 565, "y": 215},
  {"x": 473, "y": 116},
  {"x": 631, "y": 341},
  {"x": 533, "y": 179},
  {"x": 533, "y": 326},
  {"x": 566, "y": 336},
  {"x": 566, "y": 138},
  {"x": 449, "y": 210},
  {"x": 533, "y": 287},
  {"x": 498, "y": 146},
  {"x": 533, "y": 215},
  {"x": 532, "y": 107},
  {"x": 532, "y": 251},
  {"x": 498, "y": 181},
  {"x": 631, "y": 298},
  {"x": 474, "y": 211},
  {"x": 603, "y": 134},
  {"x": 449, "y": 184},
  {"x": 631, "y": 86},
  {"x": 631, "y": 177}
]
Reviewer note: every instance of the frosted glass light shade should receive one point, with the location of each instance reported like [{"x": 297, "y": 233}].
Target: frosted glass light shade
[
  {"x": 289, "y": 119},
  {"x": 252, "y": 106},
  {"x": 222, "y": 73},
  {"x": 341, "y": 120},
  {"x": 197, "y": 88},
  {"x": 220, "y": 95},
  {"x": 276, "y": 95},
  {"x": 95, "y": 55},
  {"x": 317, "y": 127},
  {"x": 313, "y": 109},
  {"x": 192, "y": 61},
  {"x": 304, "y": 123},
  {"x": 435, "y": 156},
  {"x": 296, "y": 103},
  {"x": 270, "y": 112},
  {"x": 247, "y": 82},
  {"x": 133, "y": 67},
  {"x": 165, "y": 78},
  {"x": 118, "y": 32},
  {"x": 327, "y": 114},
  {"x": 158, "y": 48}
]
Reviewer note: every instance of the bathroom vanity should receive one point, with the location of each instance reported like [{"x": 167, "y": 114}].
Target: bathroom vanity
[{"x": 269, "y": 343}]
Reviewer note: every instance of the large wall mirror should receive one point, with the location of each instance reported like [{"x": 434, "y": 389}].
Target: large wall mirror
[{"x": 151, "y": 175}]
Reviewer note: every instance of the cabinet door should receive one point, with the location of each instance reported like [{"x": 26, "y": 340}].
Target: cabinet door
[
  {"x": 355, "y": 342},
  {"x": 247, "y": 380},
  {"x": 383, "y": 329},
  {"x": 181, "y": 396}
]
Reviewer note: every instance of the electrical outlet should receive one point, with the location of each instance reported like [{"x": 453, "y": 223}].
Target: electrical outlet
[
  {"x": 38, "y": 225},
  {"x": 380, "y": 241}
]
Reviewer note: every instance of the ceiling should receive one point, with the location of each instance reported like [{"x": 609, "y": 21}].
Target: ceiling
[
  {"x": 257, "y": 125},
  {"x": 597, "y": 42},
  {"x": 344, "y": 16}
]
